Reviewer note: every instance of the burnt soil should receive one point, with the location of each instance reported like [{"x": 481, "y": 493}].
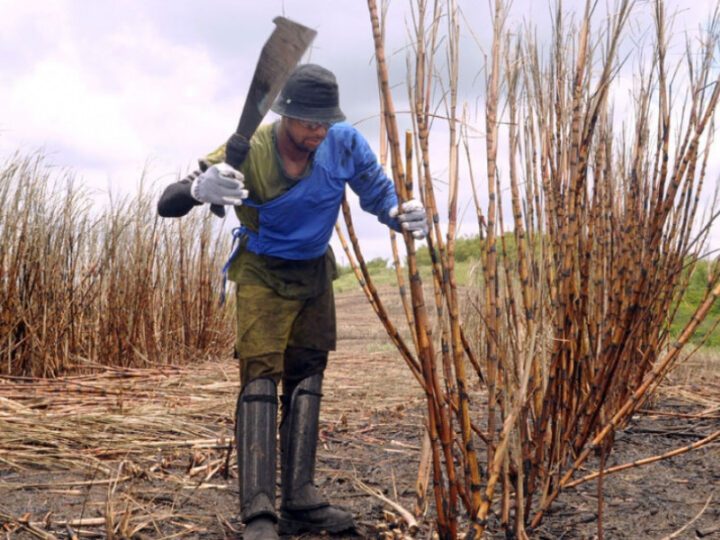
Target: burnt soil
[{"x": 371, "y": 430}]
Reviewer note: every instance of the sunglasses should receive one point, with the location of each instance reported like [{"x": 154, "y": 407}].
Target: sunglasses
[{"x": 312, "y": 126}]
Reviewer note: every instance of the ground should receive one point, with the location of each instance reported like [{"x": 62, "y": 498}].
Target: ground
[{"x": 146, "y": 453}]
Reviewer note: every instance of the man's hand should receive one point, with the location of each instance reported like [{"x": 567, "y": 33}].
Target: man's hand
[
  {"x": 412, "y": 218},
  {"x": 219, "y": 185}
]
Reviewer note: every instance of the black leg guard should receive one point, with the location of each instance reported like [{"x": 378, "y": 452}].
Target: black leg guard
[
  {"x": 256, "y": 448},
  {"x": 302, "y": 508}
]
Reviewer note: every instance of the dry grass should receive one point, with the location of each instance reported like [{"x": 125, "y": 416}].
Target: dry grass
[
  {"x": 117, "y": 287},
  {"x": 129, "y": 450},
  {"x": 114, "y": 414},
  {"x": 129, "y": 439}
]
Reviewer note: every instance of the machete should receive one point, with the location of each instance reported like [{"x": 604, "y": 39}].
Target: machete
[{"x": 279, "y": 56}]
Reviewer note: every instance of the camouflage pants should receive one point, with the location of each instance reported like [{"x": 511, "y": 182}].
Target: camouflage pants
[{"x": 279, "y": 337}]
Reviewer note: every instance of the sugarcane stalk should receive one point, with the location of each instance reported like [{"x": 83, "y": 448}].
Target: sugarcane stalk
[
  {"x": 491, "y": 282},
  {"x": 479, "y": 521},
  {"x": 512, "y": 71},
  {"x": 396, "y": 254},
  {"x": 419, "y": 97},
  {"x": 458, "y": 351},
  {"x": 393, "y": 236},
  {"x": 446, "y": 507}
]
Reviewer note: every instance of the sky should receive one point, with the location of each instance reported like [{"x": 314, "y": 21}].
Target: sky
[{"x": 114, "y": 89}]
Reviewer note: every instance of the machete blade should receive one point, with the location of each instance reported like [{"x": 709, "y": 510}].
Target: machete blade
[{"x": 279, "y": 56}]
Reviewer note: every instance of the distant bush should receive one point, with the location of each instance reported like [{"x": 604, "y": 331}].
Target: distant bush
[
  {"x": 377, "y": 263},
  {"x": 694, "y": 294},
  {"x": 373, "y": 265},
  {"x": 469, "y": 248}
]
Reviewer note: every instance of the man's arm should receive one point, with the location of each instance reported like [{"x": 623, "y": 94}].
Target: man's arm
[
  {"x": 375, "y": 190},
  {"x": 214, "y": 182},
  {"x": 377, "y": 193},
  {"x": 176, "y": 200}
]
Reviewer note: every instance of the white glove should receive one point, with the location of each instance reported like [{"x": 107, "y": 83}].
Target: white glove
[
  {"x": 412, "y": 218},
  {"x": 219, "y": 185}
]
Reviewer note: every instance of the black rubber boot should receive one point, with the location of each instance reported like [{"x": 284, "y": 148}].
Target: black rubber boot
[
  {"x": 302, "y": 508},
  {"x": 256, "y": 449}
]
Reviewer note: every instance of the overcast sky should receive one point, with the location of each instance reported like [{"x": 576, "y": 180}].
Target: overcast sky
[{"x": 109, "y": 88}]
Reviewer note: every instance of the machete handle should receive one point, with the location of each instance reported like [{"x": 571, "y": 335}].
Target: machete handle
[{"x": 236, "y": 150}]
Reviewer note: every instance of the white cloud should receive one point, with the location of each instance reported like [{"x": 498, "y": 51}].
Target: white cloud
[
  {"x": 131, "y": 97},
  {"x": 58, "y": 100}
]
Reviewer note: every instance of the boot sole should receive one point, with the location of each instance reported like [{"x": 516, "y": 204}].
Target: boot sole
[{"x": 291, "y": 526}]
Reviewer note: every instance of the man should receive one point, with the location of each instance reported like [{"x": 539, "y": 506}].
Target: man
[{"x": 287, "y": 196}]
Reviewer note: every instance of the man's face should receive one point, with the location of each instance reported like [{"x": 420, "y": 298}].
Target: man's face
[{"x": 306, "y": 135}]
